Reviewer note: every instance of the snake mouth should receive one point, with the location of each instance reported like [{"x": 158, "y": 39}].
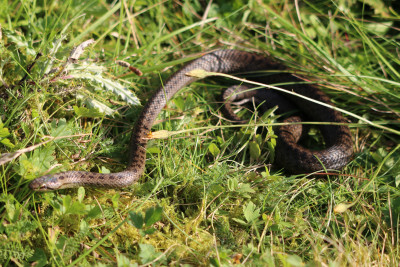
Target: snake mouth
[
  {"x": 44, "y": 183},
  {"x": 39, "y": 187},
  {"x": 42, "y": 189}
]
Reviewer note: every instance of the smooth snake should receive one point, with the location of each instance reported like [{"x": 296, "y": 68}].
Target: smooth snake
[{"x": 289, "y": 154}]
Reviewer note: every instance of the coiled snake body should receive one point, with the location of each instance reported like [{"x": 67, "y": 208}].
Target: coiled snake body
[{"x": 292, "y": 156}]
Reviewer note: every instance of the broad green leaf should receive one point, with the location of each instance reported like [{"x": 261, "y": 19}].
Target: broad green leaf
[
  {"x": 19, "y": 41},
  {"x": 379, "y": 28},
  {"x": 96, "y": 105},
  {"x": 147, "y": 253},
  {"x": 265, "y": 117},
  {"x": 136, "y": 219},
  {"x": 153, "y": 150},
  {"x": 295, "y": 260},
  {"x": 39, "y": 257},
  {"x": 3, "y": 131},
  {"x": 93, "y": 103},
  {"x": 3, "y": 134},
  {"x": 104, "y": 170},
  {"x": 7, "y": 143},
  {"x": 245, "y": 189},
  {"x": 233, "y": 184},
  {"x": 153, "y": 215},
  {"x": 87, "y": 113},
  {"x": 149, "y": 231},
  {"x": 379, "y": 6},
  {"x": 60, "y": 128},
  {"x": 84, "y": 226},
  {"x": 81, "y": 193},
  {"x": 214, "y": 150},
  {"x": 115, "y": 200},
  {"x": 47, "y": 65},
  {"x": 94, "y": 213},
  {"x": 74, "y": 207},
  {"x": 255, "y": 150},
  {"x": 66, "y": 203},
  {"x": 251, "y": 212},
  {"x": 179, "y": 103},
  {"x": 122, "y": 260},
  {"x": 38, "y": 162}
]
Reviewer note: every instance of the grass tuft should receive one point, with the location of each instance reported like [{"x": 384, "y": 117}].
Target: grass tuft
[{"x": 209, "y": 195}]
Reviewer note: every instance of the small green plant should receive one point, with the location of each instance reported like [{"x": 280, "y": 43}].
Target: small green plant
[
  {"x": 145, "y": 224},
  {"x": 223, "y": 199}
]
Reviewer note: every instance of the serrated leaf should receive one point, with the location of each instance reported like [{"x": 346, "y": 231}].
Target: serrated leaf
[
  {"x": 7, "y": 143},
  {"x": 60, "y": 128},
  {"x": 55, "y": 45},
  {"x": 114, "y": 86},
  {"x": 122, "y": 260},
  {"x": 39, "y": 257},
  {"x": 40, "y": 161},
  {"x": 251, "y": 212},
  {"x": 147, "y": 253},
  {"x": 245, "y": 188},
  {"x": 93, "y": 103},
  {"x": 94, "y": 213},
  {"x": 294, "y": 261},
  {"x": 19, "y": 41},
  {"x": 179, "y": 103},
  {"x": 77, "y": 208},
  {"x": 153, "y": 215},
  {"x": 85, "y": 67},
  {"x": 136, "y": 219}
]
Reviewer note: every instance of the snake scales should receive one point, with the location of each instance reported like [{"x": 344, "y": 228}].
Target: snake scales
[{"x": 292, "y": 156}]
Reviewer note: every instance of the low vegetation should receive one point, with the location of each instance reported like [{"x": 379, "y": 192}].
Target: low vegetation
[{"x": 210, "y": 194}]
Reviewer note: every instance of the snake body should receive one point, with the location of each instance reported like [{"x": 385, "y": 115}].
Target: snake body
[{"x": 292, "y": 156}]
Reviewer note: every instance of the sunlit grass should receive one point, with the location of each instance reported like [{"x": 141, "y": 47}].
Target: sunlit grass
[{"x": 221, "y": 203}]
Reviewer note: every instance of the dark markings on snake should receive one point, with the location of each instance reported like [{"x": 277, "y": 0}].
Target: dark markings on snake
[{"x": 292, "y": 156}]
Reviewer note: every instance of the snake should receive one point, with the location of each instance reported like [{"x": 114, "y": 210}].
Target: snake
[{"x": 290, "y": 154}]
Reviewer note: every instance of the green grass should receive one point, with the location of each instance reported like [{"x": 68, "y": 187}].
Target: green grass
[{"x": 206, "y": 197}]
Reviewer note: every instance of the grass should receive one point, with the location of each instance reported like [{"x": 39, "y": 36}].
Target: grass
[{"x": 206, "y": 197}]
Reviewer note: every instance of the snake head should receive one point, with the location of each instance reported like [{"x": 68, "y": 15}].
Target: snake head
[{"x": 45, "y": 183}]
